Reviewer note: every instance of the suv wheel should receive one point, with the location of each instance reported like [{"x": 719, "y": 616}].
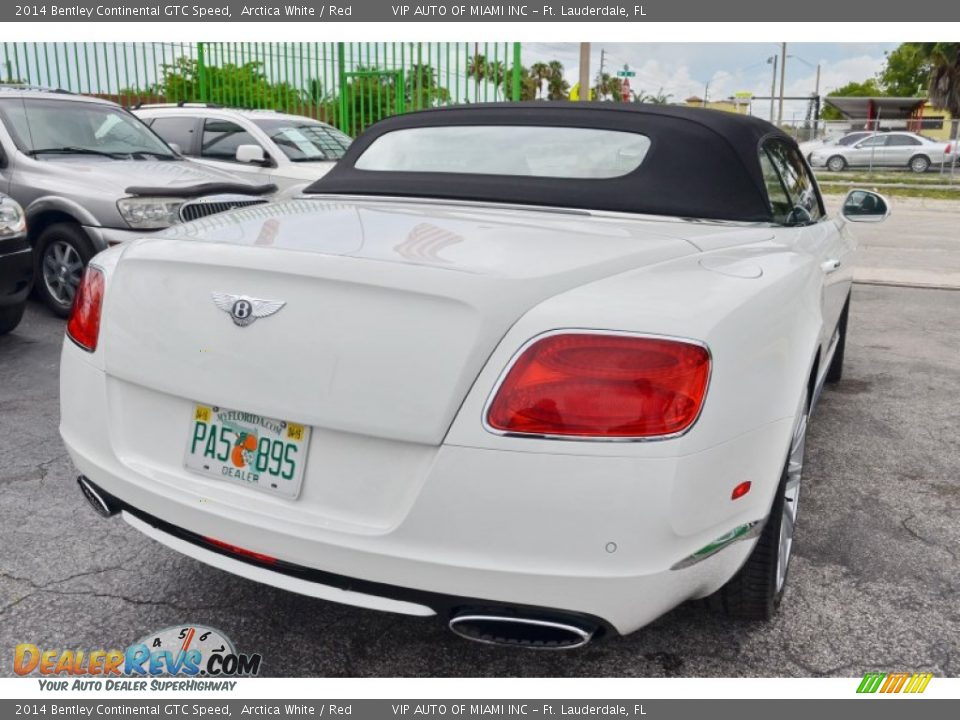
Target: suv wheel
[
  {"x": 10, "y": 317},
  {"x": 62, "y": 252}
]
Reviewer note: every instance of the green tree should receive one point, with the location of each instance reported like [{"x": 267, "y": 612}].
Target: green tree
[
  {"x": 529, "y": 85},
  {"x": 907, "y": 71},
  {"x": 228, "y": 84},
  {"x": 540, "y": 73},
  {"x": 608, "y": 87},
  {"x": 557, "y": 87},
  {"x": 944, "y": 81},
  {"x": 657, "y": 98},
  {"x": 422, "y": 89}
]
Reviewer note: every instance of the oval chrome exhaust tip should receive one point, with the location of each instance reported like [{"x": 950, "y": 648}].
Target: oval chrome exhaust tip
[
  {"x": 531, "y": 633},
  {"x": 100, "y": 501}
]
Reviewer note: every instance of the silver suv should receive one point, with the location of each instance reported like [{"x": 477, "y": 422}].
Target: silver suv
[{"x": 90, "y": 174}]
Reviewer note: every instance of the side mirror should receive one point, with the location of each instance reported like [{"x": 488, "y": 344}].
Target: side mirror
[
  {"x": 865, "y": 206},
  {"x": 251, "y": 154},
  {"x": 175, "y": 147}
]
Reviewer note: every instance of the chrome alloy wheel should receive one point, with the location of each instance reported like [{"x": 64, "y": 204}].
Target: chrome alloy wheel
[
  {"x": 791, "y": 497},
  {"x": 62, "y": 269}
]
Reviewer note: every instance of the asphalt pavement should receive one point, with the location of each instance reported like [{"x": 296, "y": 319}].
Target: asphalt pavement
[{"x": 874, "y": 581}]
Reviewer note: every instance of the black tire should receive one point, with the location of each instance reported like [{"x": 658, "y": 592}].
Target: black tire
[
  {"x": 10, "y": 317},
  {"x": 919, "y": 163},
  {"x": 835, "y": 371},
  {"x": 753, "y": 593},
  {"x": 61, "y": 253}
]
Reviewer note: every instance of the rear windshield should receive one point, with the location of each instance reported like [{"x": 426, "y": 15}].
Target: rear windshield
[{"x": 520, "y": 150}]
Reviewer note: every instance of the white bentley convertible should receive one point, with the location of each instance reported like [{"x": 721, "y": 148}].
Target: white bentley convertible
[{"x": 543, "y": 370}]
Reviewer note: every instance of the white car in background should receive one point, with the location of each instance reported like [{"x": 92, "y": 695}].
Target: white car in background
[
  {"x": 887, "y": 149},
  {"x": 543, "y": 370},
  {"x": 260, "y": 145},
  {"x": 841, "y": 139}
]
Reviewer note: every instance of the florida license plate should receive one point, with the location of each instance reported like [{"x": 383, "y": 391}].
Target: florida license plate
[{"x": 248, "y": 449}]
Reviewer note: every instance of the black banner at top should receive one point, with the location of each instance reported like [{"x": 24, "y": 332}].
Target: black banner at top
[{"x": 442, "y": 11}]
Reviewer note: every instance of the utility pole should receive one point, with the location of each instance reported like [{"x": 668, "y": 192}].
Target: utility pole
[
  {"x": 783, "y": 72},
  {"x": 816, "y": 92},
  {"x": 600, "y": 84},
  {"x": 706, "y": 92},
  {"x": 772, "y": 60},
  {"x": 584, "y": 71}
]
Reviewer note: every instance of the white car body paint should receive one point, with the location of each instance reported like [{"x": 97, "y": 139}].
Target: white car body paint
[{"x": 401, "y": 316}]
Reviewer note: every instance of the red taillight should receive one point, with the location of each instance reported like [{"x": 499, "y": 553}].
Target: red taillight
[
  {"x": 83, "y": 327},
  {"x": 602, "y": 386},
  {"x": 237, "y": 550}
]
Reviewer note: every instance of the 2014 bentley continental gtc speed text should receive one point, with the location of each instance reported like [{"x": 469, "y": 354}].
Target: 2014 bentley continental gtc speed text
[{"x": 542, "y": 370}]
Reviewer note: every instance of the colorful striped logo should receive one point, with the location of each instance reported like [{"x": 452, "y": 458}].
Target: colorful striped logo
[{"x": 894, "y": 682}]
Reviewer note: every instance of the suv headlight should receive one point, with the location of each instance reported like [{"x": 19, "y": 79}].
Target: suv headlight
[
  {"x": 12, "y": 220},
  {"x": 144, "y": 213}
]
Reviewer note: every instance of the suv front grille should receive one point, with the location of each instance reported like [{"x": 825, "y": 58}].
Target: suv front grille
[{"x": 202, "y": 207}]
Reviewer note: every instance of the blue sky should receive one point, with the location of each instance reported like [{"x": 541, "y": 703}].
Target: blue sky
[{"x": 683, "y": 69}]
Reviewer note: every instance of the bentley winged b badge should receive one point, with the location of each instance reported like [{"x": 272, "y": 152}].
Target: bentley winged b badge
[{"x": 245, "y": 310}]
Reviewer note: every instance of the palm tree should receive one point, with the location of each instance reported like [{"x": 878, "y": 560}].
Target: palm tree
[
  {"x": 540, "y": 72},
  {"x": 496, "y": 72},
  {"x": 477, "y": 69},
  {"x": 528, "y": 84},
  {"x": 945, "y": 76},
  {"x": 660, "y": 98},
  {"x": 608, "y": 87},
  {"x": 557, "y": 87}
]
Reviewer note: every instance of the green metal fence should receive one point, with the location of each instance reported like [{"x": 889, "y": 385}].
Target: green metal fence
[{"x": 347, "y": 84}]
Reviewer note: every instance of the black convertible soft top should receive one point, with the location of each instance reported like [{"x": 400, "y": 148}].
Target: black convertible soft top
[{"x": 700, "y": 164}]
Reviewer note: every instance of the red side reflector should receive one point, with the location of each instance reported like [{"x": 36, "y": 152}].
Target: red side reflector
[
  {"x": 237, "y": 550},
  {"x": 740, "y": 490},
  {"x": 83, "y": 327},
  {"x": 602, "y": 386}
]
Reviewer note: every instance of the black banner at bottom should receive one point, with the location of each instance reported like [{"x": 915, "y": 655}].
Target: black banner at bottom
[{"x": 872, "y": 708}]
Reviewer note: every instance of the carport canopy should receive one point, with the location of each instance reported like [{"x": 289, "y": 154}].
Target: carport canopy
[{"x": 870, "y": 108}]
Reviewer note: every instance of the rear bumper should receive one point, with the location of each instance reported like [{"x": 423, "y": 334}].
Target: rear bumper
[
  {"x": 576, "y": 536},
  {"x": 16, "y": 271}
]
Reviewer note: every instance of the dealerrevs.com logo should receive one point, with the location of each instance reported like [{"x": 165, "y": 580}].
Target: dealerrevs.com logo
[{"x": 186, "y": 652}]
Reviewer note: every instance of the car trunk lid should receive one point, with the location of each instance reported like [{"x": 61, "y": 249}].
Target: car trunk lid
[{"x": 391, "y": 310}]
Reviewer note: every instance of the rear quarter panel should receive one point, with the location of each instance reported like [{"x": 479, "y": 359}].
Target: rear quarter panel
[{"x": 762, "y": 332}]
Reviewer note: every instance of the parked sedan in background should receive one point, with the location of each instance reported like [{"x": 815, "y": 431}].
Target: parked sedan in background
[
  {"x": 842, "y": 140},
  {"x": 541, "y": 369},
  {"x": 261, "y": 145},
  {"x": 16, "y": 264},
  {"x": 889, "y": 149}
]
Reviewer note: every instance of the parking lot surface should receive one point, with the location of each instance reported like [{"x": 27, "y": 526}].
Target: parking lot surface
[{"x": 874, "y": 581}]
